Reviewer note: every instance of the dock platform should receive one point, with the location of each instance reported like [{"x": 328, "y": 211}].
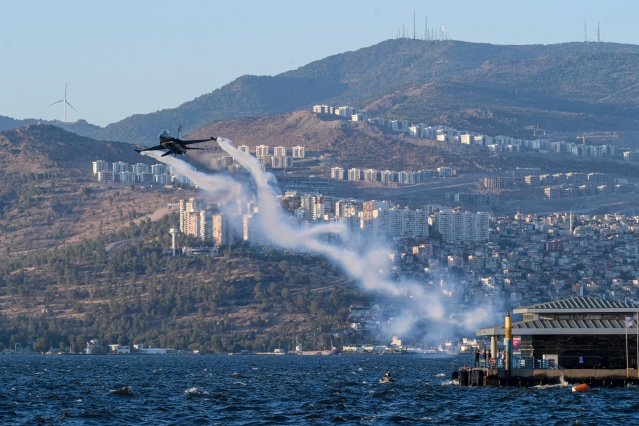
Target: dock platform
[{"x": 481, "y": 376}]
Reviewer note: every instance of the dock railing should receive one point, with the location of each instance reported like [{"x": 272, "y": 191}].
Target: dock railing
[{"x": 521, "y": 363}]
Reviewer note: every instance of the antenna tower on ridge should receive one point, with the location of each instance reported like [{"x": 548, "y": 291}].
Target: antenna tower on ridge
[
  {"x": 598, "y": 33},
  {"x": 585, "y": 32},
  {"x": 426, "y": 30}
]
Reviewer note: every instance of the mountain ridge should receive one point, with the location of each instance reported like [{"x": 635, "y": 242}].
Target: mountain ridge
[{"x": 492, "y": 89}]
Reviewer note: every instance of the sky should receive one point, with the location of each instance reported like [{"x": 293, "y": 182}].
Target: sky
[{"x": 121, "y": 57}]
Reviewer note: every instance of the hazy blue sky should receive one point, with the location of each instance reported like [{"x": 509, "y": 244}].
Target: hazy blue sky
[{"x": 125, "y": 57}]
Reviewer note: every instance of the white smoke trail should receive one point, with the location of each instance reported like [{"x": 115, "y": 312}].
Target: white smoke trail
[
  {"x": 368, "y": 269},
  {"x": 220, "y": 187},
  {"x": 363, "y": 268}
]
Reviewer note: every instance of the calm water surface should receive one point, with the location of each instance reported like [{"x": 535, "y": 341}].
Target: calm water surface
[{"x": 280, "y": 390}]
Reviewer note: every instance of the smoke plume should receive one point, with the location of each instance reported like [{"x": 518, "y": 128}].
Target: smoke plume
[{"x": 369, "y": 269}]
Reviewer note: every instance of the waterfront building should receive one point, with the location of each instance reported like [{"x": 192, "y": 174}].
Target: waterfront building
[{"x": 578, "y": 333}]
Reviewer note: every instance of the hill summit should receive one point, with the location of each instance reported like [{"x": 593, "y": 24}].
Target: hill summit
[{"x": 486, "y": 88}]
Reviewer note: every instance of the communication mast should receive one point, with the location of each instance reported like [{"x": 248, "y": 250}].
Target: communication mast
[
  {"x": 598, "y": 34},
  {"x": 585, "y": 32}
]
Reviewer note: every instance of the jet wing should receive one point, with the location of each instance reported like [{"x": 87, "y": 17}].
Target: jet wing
[
  {"x": 153, "y": 148},
  {"x": 198, "y": 141}
]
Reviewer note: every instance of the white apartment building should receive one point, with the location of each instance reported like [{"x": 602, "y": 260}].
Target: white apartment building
[
  {"x": 244, "y": 148},
  {"x": 387, "y": 176},
  {"x": 346, "y": 111},
  {"x": 120, "y": 167},
  {"x": 323, "y": 109},
  {"x": 298, "y": 152},
  {"x": 337, "y": 173},
  {"x": 252, "y": 231},
  {"x": 185, "y": 207},
  {"x": 406, "y": 177},
  {"x": 345, "y": 208},
  {"x": 127, "y": 177},
  {"x": 281, "y": 162},
  {"x": 461, "y": 225},
  {"x": 161, "y": 179},
  {"x": 106, "y": 176},
  {"x": 159, "y": 169},
  {"x": 395, "y": 222},
  {"x": 261, "y": 151},
  {"x": 145, "y": 177},
  {"x": 444, "y": 171},
  {"x": 370, "y": 175},
  {"x": 222, "y": 230},
  {"x": 279, "y": 151},
  {"x": 354, "y": 174},
  {"x": 317, "y": 206},
  {"x": 101, "y": 166},
  {"x": 140, "y": 168},
  {"x": 199, "y": 224}
]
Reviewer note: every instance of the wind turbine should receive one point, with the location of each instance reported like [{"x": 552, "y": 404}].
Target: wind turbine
[{"x": 65, "y": 103}]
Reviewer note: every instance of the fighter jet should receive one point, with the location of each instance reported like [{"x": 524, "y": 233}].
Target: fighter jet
[{"x": 174, "y": 146}]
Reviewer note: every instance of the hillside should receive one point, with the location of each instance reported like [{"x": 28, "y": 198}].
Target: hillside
[
  {"x": 246, "y": 299},
  {"x": 346, "y": 143},
  {"x": 49, "y": 196},
  {"x": 571, "y": 87},
  {"x": 60, "y": 287}
]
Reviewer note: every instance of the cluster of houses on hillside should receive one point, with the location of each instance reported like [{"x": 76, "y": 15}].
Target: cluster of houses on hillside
[
  {"x": 470, "y": 257},
  {"x": 560, "y": 185},
  {"x": 387, "y": 176},
  {"x": 279, "y": 159},
  {"x": 139, "y": 173},
  {"x": 365, "y": 220},
  {"x": 163, "y": 174},
  {"x": 528, "y": 259},
  {"x": 492, "y": 143}
]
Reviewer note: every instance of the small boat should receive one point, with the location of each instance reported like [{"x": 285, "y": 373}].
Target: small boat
[
  {"x": 122, "y": 391},
  {"x": 580, "y": 388},
  {"x": 386, "y": 379}
]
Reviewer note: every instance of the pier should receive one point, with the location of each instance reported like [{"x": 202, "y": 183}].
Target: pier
[
  {"x": 523, "y": 377},
  {"x": 576, "y": 340}
]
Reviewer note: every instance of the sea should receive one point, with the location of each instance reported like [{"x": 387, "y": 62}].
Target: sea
[{"x": 284, "y": 390}]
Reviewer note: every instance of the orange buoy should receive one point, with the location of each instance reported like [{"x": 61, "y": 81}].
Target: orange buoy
[{"x": 580, "y": 388}]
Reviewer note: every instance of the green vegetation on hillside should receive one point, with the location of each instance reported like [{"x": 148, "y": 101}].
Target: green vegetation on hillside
[{"x": 256, "y": 299}]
